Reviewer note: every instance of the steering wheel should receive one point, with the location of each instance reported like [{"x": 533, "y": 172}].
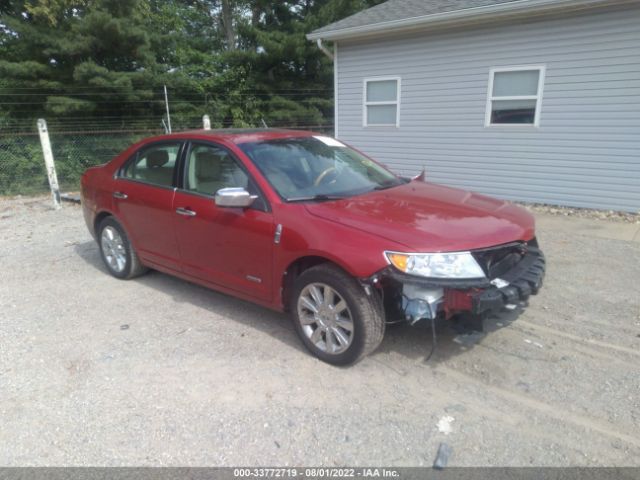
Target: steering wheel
[{"x": 323, "y": 175}]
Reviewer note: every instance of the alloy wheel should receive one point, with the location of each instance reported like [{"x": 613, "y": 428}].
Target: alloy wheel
[
  {"x": 325, "y": 318},
  {"x": 113, "y": 249}
]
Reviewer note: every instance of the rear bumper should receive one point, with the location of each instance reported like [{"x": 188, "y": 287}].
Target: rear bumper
[{"x": 89, "y": 216}]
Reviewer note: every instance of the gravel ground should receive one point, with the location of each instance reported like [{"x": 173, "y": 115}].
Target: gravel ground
[
  {"x": 588, "y": 213},
  {"x": 157, "y": 371}
]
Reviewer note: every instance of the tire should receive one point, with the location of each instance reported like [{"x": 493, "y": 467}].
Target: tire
[
  {"x": 325, "y": 332},
  {"x": 117, "y": 252}
]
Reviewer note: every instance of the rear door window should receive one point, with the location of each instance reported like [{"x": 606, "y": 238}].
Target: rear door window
[{"x": 154, "y": 164}]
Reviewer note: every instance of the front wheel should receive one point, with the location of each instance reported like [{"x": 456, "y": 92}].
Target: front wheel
[{"x": 335, "y": 318}]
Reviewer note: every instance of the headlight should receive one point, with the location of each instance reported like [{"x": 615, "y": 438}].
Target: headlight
[{"x": 459, "y": 265}]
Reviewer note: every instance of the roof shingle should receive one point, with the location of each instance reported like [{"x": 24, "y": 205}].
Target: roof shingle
[{"x": 394, "y": 10}]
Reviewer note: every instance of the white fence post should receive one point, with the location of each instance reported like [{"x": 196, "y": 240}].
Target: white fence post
[
  {"x": 48, "y": 161},
  {"x": 206, "y": 122},
  {"x": 166, "y": 102}
]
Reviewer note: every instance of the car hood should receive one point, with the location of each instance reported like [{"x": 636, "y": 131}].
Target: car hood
[{"x": 426, "y": 217}]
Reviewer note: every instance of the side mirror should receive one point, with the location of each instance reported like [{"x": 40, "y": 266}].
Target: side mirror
[{"x": 234, "y": 197}]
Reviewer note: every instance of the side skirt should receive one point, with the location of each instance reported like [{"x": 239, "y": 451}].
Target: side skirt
[{"x": 211, "y": 286}]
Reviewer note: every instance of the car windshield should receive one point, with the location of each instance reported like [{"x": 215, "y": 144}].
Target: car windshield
[{"x": 317, "y": 168}]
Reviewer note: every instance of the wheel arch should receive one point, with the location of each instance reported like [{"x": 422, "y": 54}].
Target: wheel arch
[
  {"x": 100, "y": 216},
  {"x": 297, "y": 267}
]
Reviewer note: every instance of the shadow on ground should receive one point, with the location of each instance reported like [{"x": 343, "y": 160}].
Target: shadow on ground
[{"x": 413, "y": 342}]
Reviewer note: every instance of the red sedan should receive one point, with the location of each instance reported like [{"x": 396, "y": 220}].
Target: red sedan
[{"x": 300, "y": 222}]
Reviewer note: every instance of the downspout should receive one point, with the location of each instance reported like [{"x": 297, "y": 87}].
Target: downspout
[
  {"x": 324, "y": 49},
  {"x": 332, "y": 56}
]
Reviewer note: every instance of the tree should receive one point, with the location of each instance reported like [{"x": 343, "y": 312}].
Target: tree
[
  {"x": 228, "y": 24},
  {"x": 105, "y": 61},
  {"x": 68, "y": 58},
  {"x": 291, "y": 79}
]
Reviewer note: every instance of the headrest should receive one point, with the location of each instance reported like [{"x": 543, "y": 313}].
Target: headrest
[
  {"x": 208, "y": 165},
  {"x": 157, "y": 158}
]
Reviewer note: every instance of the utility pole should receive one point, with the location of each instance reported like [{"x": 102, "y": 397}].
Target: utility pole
[{"x": 166, "y": 102}]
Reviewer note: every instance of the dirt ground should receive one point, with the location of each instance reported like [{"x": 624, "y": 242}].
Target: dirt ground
[{"x": 157, "y": 371}]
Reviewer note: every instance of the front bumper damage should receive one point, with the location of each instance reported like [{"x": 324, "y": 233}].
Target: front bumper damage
[
  {"x": 517, "y": 285},
  {"x": 514, "y": 273}
]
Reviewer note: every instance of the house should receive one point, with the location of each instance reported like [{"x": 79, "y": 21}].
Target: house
[{"x": 531, "y": 100}]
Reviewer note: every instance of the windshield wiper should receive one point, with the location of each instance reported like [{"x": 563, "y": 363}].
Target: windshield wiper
[
  {"x": 386, "y": 185},
  {"x": 316, "y": 198}
]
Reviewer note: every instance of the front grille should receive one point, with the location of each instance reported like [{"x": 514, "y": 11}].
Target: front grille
[{"x": 496, "y": 261}]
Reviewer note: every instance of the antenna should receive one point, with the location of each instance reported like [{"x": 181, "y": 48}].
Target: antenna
[
  {"x": 264, "y": 124},
  {"x": 422, "y": 176}
]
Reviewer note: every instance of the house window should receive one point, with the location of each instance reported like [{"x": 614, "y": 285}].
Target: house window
[
  {"x": 381, "y": 102},
  {"x": 515, "y": 96}
]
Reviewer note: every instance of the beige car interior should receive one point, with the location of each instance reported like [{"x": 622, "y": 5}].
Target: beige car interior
[
  {"x": 210, "y": 169},
  {"x": 154, "y": 167}
]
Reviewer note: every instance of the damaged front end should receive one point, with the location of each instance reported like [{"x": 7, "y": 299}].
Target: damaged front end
[
  {"x": 512, "y": 273},
  {"x": 420, "y": 303}
]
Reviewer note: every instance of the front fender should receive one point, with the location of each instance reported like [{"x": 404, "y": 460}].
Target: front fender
[{"x": 358, "y": 253}]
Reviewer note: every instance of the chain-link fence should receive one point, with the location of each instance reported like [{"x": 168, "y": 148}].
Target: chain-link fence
[
  {"x": 74, "y": 152},
  {"x": 22, "y": 168}
]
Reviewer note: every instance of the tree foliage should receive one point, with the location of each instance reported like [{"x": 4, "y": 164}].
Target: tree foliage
[{"x": 83, "y": 62}]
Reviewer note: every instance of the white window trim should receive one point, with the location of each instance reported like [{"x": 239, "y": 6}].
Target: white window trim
[
  {"x": 335, "y": 90},
  {"x": 366, "y": 104},
  {"x": 538, "y": 97}
]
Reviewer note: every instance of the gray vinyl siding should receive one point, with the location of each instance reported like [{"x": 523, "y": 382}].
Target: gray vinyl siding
[{"x": 586, "y": 151}]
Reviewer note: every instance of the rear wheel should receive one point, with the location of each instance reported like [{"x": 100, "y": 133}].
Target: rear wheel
[
  {"x": 334, "y": 316},
  {"x": 116, "y": 250}
]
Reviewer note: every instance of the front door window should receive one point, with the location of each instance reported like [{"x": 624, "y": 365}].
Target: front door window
[{"x": 211, "y": 168}]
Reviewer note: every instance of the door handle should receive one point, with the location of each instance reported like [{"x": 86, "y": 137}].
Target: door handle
[
  {"x": 120, "y": 195},
  {"x": 186, "y": 212}
]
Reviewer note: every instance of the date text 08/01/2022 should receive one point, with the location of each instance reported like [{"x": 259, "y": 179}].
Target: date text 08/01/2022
[{"x": 315, "y": 473}]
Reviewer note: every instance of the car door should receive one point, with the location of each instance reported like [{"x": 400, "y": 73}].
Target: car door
[
  {"x": 230, "y": 247},
  {"x": 143, "y": 202}
]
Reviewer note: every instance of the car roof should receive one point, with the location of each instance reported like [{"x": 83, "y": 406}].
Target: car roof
[{"x": 239, "y": 135}]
